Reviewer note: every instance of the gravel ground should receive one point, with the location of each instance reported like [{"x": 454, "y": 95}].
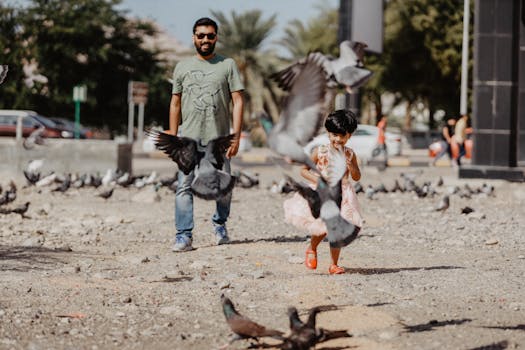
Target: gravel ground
[{"x": 87, "y": 273}]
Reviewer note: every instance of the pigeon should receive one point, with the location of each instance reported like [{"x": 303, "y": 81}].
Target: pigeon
[
  {"x": 210, "y": 181},
  {"x": 106, "y": 194},
  {"x": 46, "y": 181},
  {"x": 64, "y": 186},
  {"x": 4, "y": 68},
  {"x": 21, "y": 210},
  {"x": 486, "y": 189},
  {"x": 443, "y": 204},
  {"x": 35, "y": 165},
  {"x": 109, "y": 177},
  {"x": 125, "y": 180},
  {"x": 245, "y": 179},
  {"x": 35, "y": 138},
  {"x": 9, "y": 195},
  {"x": 304, "y": 336},
  {"x": 467, "y": 210},
  {"x": 243, "y": 327},
  {"x": 310, "y": 83},
  {"x": 31, "y": 177},
  {"x": 439, "y": 182},
  {"x": 397, "y": 187},
  {"x": 358, "y": 188},
  {"x": 369, "y": 192},
  {"x": 325, "y": 202}
]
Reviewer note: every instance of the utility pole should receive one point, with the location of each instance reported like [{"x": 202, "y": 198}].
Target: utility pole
[{"x": 464, "y": 58}]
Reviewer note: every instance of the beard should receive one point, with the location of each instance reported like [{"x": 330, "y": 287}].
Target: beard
[{"x": 205, "y": 52}]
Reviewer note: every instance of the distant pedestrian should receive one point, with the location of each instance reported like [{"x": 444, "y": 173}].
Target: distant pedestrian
[
  {"x": 447, "y": 132},
  {"x": 340, "y": 125},
  {"x": 460, "y": 136},
  {"x": 380, "y": 147},
  {"x": 203, "y": 87}
]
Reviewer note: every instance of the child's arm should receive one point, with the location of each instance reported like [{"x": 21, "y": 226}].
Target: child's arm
[
  {"x": 306, "y": 173},
  {"x": 353, "y": 167}
]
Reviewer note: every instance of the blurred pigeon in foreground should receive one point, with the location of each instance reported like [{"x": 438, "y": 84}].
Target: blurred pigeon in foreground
[
  {"x": 106, "y": 194},
  {"x": 4, "y": 68},
  {"x": 243, "y": 327},
  {"x": 325, "y": 202},
  {"x": 310, "y": 83},
  {"x": 210, "y": 181}
]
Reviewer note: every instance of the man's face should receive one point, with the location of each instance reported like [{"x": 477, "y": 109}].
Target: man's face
[{"x": 204, "y": 40}]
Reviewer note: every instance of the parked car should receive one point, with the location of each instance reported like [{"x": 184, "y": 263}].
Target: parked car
[
  {"x": 363, "y": 142},
  {"x": 69, "y": 126},
  {"x": 30, "y": 122}
]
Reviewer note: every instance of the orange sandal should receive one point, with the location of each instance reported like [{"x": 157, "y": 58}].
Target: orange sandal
[
  {"x": 336, "y": 270},
  {"x": 311, "y": 259}
]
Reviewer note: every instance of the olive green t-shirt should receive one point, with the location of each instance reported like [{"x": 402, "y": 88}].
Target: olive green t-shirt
[{"x": 205, "y": 87}]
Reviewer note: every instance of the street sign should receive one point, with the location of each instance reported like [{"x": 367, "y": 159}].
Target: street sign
[
  {"x": 138, "y": 92},
  {"x": 80, "y": 93}
]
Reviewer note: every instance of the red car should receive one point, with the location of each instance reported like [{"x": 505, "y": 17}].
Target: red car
[{"x": 30, "y": 122}]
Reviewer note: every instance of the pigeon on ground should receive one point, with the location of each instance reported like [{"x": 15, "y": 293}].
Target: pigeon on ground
[
  {"x": 210, "y": 181},
  {"x": 243, "y": 327},
  {"x": 245, "y": 179},
  {"x": 486, "y": 189},
  {"x": 370, "y": 192},
  {"x": 325, "y": 202},
  {"x": 21, "y": 210},
  {"x": 4, "y": 68},
  {"x": 46, "y": 181},
  {"x": 397, "y": 187},
  {"x": 467, "y": 210},
  {"x": 439, "y": 182},
  {"x": 64, "y": 186},
  {"x": 311, "y": 85},
  {"x": 9, "y": 195},
  {"x": 106, "y": 194},
  {"x": 358, "y": 188},
  {"x": 443, "y": 204},
  {"x": 305, "y": 336},
  {"x": 32, "y": 178}
]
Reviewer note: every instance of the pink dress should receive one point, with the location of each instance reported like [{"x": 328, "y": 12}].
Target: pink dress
[{"x": 296, "y": 209}]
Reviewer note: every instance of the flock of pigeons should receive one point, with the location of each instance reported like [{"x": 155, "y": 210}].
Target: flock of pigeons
[{"x": 302, "y": 336}]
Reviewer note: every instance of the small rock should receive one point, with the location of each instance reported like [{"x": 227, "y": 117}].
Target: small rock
[
  {"x": 224, "y": 285},
  {"x": 491, "y": 241},
  {"x": 295, "y": 259},
  {"x": 120, "y": 314},
  {"x": 126, "y": 300}
]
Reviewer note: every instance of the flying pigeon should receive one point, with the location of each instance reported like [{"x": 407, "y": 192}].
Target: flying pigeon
[
  {"x": 443, "y": 204},
  {"x": 4, "y": 68},
  {"x": 325, "y": 202},
  {"x": 243, "y": 327},
  {"x": 210, "y": 181},
  {"x": 310, "y": 83}
]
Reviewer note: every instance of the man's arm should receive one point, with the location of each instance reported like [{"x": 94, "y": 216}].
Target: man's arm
[
  {"x": 175, "y": 114},
  {"x": 238, "y": 108}
]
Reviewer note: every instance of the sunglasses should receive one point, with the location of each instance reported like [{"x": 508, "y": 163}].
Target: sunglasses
[{"x": 210, "y": 36}]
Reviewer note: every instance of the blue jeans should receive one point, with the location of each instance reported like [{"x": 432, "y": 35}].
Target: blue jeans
[{"x": 184, "y": 204}]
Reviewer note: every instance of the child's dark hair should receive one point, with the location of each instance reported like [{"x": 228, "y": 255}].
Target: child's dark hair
[
  {"x": 205, "y": 21},
  {"x": 341, "y": 122}
]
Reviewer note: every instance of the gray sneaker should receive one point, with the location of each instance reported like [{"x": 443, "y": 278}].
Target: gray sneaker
[
  {"x": 221, "y": 234},
  {"x": 182, "y": 243}
]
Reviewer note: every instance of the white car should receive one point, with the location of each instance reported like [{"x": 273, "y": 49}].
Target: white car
[{"x": 363, "y": 142}]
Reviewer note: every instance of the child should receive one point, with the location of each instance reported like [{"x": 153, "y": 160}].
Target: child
[{"x": 340, "y": 125}]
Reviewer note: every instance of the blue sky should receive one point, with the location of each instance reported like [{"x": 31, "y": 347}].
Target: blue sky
[{"x": 177, "y": 16}]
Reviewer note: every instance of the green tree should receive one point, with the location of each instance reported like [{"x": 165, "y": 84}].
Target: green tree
[
  {"x": 319, "y": 34},
  {"x": 89, "y": 42}
]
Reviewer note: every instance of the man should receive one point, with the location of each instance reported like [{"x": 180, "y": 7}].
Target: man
[
  {"x": 381, "y": 141},
  {"x": 460, "y": 135},
  {"x": 203, "y": 87}
]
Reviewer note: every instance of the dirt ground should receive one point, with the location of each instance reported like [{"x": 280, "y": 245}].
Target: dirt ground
[{"x": 87, "y": 273}]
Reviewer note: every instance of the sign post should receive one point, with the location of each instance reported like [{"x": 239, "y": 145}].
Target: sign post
[
  {"x": 137, "y": 94},
  {"x": 79, "y": 95}
]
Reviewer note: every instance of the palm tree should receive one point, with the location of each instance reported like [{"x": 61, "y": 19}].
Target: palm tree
[
  {"x": 242, "y": 37},
  {"x": 319, "y": 34}
]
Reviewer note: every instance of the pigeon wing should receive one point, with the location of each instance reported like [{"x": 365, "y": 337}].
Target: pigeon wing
[
  {"x": 311, "y": 196},
  {"x": 218, "y": 147},
  {"x": 182, "y": 150},
  {"x": 301, "y": 116}
]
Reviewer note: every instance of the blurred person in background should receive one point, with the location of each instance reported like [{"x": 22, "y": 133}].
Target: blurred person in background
[
  {"x": 447, "y": 132},
  {"x": 460, "y": 136}
]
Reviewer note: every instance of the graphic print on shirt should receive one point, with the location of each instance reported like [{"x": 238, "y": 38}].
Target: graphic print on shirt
[{"x": 202, "y": 93}]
